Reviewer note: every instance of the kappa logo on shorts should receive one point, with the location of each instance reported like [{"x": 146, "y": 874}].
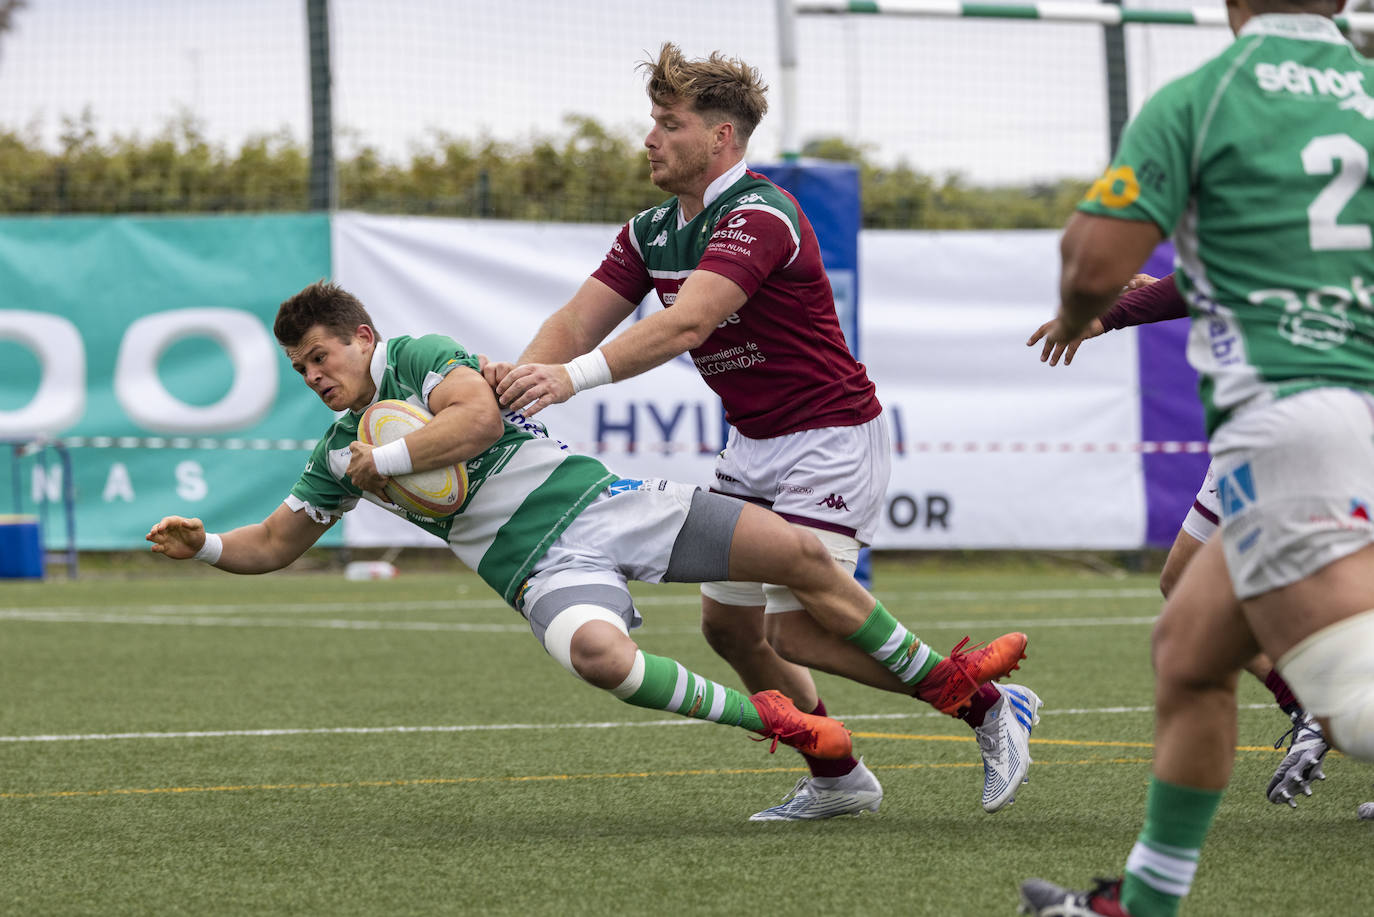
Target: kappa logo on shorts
[
  {"x": 834, "y": 501},
  {"x": 1236, "y": 490}
]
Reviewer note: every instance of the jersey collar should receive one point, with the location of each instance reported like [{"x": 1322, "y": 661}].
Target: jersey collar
[
  {"x": 378, "y": 369},
  {"x": 716, "y": 188},
  {"x": 1294, "y": 25}
]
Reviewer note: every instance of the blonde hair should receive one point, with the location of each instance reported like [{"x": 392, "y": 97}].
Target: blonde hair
[{"x": 718, "y": 88}]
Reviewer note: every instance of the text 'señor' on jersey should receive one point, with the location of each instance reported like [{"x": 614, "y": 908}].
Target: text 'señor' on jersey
[
  {"x": 779, "y": 364},
  {"x": 522, "y": 492},
  {"x": 1258, "y": 164}
]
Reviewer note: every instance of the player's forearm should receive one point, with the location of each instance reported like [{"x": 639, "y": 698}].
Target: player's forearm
[
  {"x": 557, "y": 341},
  {"x": 1078, "y": 308},
  {"x": 456, "y": 434},
  {"x": 1156, "y": 302},
  {"x": 1088, "y": 286},
  {"x": 254, "y": 549},
  {"x": 651, "y": 342},
  {"x": 1099, "y": 256},
  {"x": 705, "y": 300}
]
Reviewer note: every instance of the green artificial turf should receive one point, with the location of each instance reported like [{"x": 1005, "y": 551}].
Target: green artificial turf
[{"x": 301, "y": 744}]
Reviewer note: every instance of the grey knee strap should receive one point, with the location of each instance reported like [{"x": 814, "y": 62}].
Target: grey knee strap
[
  {"x": 701, "y": 553},
  {"x": 617, "y": 601}
]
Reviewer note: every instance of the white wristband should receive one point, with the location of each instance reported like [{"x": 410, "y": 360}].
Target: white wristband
[
  {"x": 211, "y": 550},
  {"x": 588, "y": 371},
  {"x": 393, "y": 458}
]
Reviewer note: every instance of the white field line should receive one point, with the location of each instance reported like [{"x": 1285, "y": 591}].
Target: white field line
[
  {"x": 510, "y": 727},
  {"x": 268, "y": 615},
  {"x": 910, "y": 600},
  {"x": 76, "y": 616}
]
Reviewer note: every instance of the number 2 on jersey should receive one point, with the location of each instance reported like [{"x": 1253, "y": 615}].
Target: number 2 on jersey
[{"x": 1320, "y": 157}]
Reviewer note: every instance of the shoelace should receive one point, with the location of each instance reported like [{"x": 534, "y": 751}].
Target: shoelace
[
  {"x": 987, "y": 744},
  {"x": 1296, "y": 730},
  {"x": 956, "y": 659},
  {"x": 775, "y": 734}
]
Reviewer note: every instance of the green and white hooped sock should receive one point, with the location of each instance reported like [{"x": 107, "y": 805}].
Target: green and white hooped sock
[
  {"x": 659, "y": 683},
  {"x": 1161, "y": 866},
  {"x": 898, "y": 649}
]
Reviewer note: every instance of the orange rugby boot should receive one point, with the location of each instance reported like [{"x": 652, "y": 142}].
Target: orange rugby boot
[
  {"x": 817, "y": 736},
  {"x": 956, "y": 678}
]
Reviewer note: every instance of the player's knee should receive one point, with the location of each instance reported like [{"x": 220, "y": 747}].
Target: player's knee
[
  {"x": 1332, "y": 673},
  {"x": 790, "y": 645},
  {"x": 734, "y": 637},
  {"x": 1178, "y": 661},
  {"x": 591, "y": 643},
  {"x": 812, "y": 562}
]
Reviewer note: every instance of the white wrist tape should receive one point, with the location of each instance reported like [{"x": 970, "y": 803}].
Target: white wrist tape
[
  {"x": 393, "y": 458},
  {"x": 211, "y": 550},
  {"x": 588, "y": 371}
]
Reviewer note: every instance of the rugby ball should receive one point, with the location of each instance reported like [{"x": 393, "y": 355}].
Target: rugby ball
[{"x": 435, "y": 494}]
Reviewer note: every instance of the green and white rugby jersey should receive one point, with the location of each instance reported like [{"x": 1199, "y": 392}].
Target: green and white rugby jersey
[
  {"x": 522, "y": 492},
  {"x": 1258, "y": 165}
]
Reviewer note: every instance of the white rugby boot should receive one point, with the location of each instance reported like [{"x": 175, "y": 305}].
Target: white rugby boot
[
  {"x": 1004, "y": 739},
  {"x": 855, "y": 793},
  {"x": 1303, "y": 763}
]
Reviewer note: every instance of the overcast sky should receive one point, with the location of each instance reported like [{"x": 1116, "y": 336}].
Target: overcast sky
[{"x": 998, "y": 101}]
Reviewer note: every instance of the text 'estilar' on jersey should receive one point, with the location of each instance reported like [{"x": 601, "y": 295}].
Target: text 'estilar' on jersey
[{"x": 780, "y": 363}]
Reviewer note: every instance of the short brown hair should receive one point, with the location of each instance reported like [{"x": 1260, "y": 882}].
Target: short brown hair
[
  {"x": 719, "y": 88},
  {"x": 322, "y": 303}
]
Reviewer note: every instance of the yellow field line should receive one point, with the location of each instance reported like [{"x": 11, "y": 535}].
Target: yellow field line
[
  {"x": 630, "y": 775},
  {"x": 460, "y": 781},
  {"x": 1082, "y": 743}
]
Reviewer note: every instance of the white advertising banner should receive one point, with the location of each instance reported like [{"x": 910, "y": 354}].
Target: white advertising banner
[{"x": 992, "y": 448}]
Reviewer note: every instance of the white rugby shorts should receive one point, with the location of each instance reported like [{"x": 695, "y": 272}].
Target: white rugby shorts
[
  {"x": 832, "y": 479},
  {"x": 627, "y": 533},
  {"x": 1295, "y": 483}
]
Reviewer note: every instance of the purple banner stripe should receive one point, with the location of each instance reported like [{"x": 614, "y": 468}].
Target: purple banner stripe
[{"x": 1169, "y": 411}]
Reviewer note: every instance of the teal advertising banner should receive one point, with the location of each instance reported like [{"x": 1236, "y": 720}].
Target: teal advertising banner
[{"x": 145, "y": 346}]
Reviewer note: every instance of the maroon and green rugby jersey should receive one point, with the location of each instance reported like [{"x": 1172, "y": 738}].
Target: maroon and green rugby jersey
[{"x": 779, "y": 364}]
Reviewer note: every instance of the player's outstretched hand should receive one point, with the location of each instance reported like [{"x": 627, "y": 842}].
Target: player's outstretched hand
[
  {"x": 1056, "y": 345},
  {"x": 531, "y": 387},
  {"x": 493, "y": 372},
  {"x": 177, "y": 537}
]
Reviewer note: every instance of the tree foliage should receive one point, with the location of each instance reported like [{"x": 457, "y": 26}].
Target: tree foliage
[{"x": 583, "y": 174}]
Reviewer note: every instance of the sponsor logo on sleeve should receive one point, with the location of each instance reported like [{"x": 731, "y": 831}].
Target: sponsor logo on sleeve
[{"x": 1117, "y": 188}]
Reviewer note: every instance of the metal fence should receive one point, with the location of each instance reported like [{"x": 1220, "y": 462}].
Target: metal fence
[{"x": 425, "y": 105}]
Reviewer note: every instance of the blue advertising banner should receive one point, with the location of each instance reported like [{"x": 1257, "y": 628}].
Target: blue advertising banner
[{"x": 829, "y": 196}]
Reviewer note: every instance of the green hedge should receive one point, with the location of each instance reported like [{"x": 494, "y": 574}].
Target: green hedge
[{"x": 583, "y": 174}]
